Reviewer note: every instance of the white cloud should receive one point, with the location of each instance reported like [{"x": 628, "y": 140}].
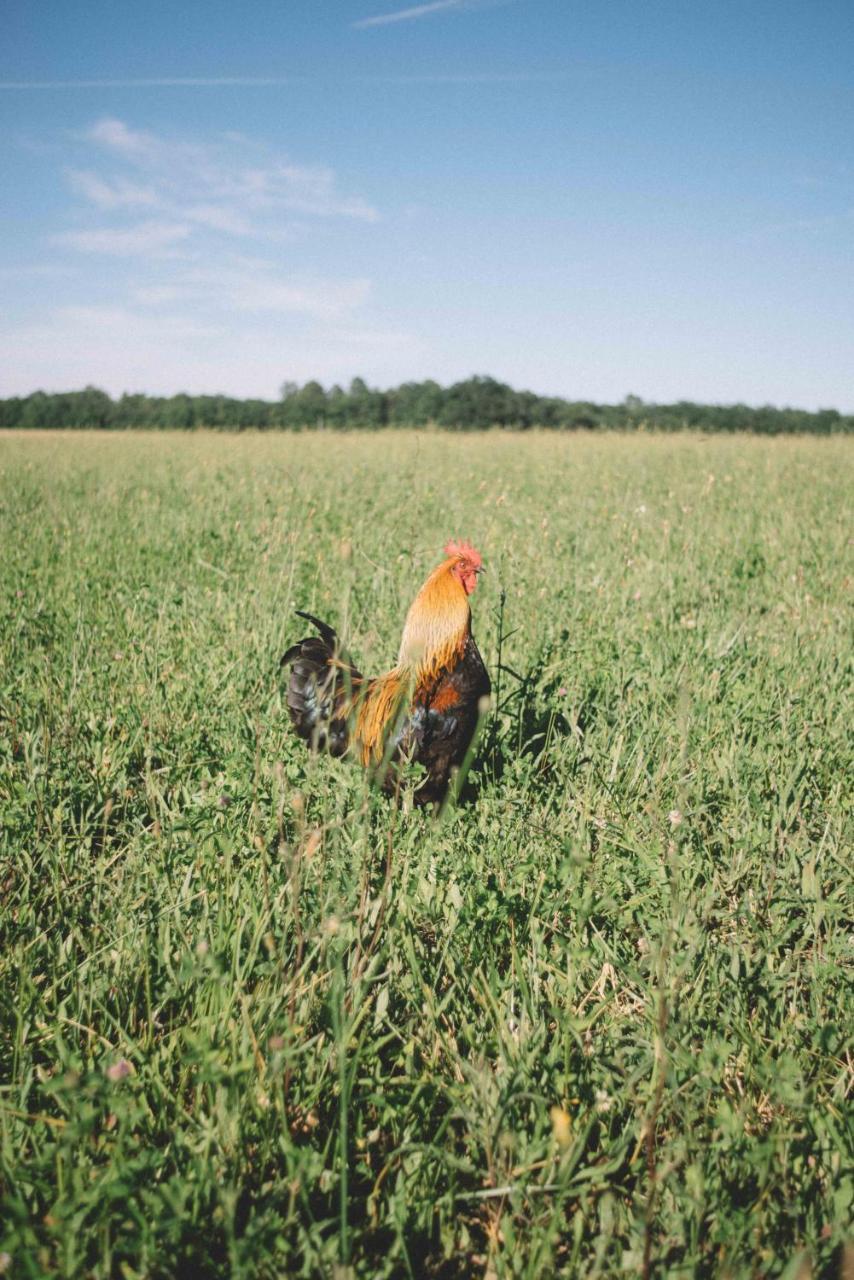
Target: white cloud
[
  {"x": 323, "y": 298},
  {"x": 231, "y": 184},
  {"x": 116, "y": 135},
  {"x": 219, "y": 218},
  {"x": 155, "y": 294},
  {"x": 153, "y": 239},
  {"x": 123, "y": 323},
  {"x": 243, "y": 286},
  {"x": 203, "y": 283},
  {"x": 370, "y": 339},
  {"x": 201, "y": 192},
  {"x": 110, "y": 195},
  {"x": 303, "y": 189}
]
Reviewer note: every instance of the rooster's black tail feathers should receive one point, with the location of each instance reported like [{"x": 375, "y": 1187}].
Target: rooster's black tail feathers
[{"x": 320, "y": 688}]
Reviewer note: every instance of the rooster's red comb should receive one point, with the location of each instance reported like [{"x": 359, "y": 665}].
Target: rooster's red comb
[{"x": 465, "y": 550}]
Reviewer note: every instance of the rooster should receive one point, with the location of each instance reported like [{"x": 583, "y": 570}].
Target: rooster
[{"x": 425, "y": 709}]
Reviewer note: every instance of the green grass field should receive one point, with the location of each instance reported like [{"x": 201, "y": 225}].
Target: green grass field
[{"x": 259, "y": 1021}]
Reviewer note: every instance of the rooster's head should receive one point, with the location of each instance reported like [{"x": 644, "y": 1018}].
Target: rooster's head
[{"x": 467, "y": 563}]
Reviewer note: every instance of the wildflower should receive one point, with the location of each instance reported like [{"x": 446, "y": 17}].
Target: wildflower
[
  {"x": 603, "y": 1101},
  {"x": 561, "y": 1127},
  {"x": 674, "y": 817},
  {"x": 119, "y": 1070}
]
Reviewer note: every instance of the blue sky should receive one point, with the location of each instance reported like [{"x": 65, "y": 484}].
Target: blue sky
[{"x": 584, "y": 199}]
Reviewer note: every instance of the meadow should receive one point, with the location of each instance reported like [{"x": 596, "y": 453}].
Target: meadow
[{"x": 257, "y": 1020}]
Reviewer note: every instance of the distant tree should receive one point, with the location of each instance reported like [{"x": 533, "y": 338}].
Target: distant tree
[
  {"x": 336, "y": 406},
  {"x": 310, "y": 405},
  {"x": 94, "y": 408},
  {"x": 366, "y": 406},
  {"x": 10, "y": 412},
  {"x": 178, "y": 412},
  {"x": 634, "y": 408}
]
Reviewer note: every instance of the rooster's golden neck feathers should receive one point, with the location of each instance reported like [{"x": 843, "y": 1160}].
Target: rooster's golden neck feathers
[
  {"x": 435, "y": 634},
  {"x": 437, "y": 625}
]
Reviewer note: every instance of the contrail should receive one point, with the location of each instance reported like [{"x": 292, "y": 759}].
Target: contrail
[
  {"x": 406, "y": 15},
  {"x": 156, "y": 82},
  {"x": 216, "y": 82}
]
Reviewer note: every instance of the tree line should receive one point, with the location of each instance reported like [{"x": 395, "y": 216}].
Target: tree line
[{"x": 471, "y": 405}]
